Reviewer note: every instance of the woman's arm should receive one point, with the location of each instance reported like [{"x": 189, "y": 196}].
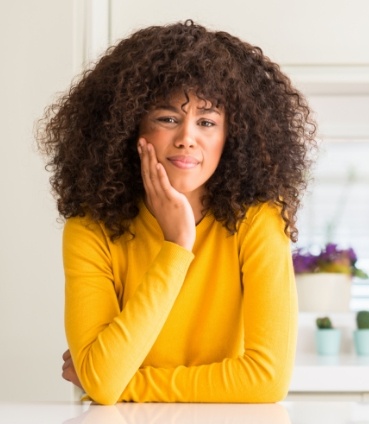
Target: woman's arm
[
  {"x": 101, "y": 337},
  {"x": 109, "y": 345},
  {"x": 262, "y": 373}
]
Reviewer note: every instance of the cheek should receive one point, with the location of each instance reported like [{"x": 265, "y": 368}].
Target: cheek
[
  {"x": 147, "y": 128},
  {"x": 219, "y": 150},
  {"x": 151, "y": 135},
  {"x": 213, "y": 158},
  {"x": 158, "y": 140}
]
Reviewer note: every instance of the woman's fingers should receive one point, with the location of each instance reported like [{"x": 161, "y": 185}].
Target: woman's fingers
[
  {"x": 142, "y": 151},
  {"x": 164, "y": 182},
  {"x": 170, "y": 207},
  {"x": 68, "y": 370},
  {"x": 154, "y": 177},
  {"x": 66, "y": 355}
]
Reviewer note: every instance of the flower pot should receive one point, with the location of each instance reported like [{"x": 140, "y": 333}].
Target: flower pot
[
  {"x": 361, "y": 341},
  {"x": 328, "y": 341},
  {"x": 324, "y": 292}
]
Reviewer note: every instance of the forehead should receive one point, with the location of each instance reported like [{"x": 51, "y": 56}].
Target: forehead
[{"x": 180, "y": 99}]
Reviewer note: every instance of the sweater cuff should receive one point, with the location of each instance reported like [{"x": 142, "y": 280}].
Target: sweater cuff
[{"x": 177, "y": 258}]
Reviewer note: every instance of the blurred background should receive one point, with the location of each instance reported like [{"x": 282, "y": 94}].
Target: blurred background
[{"x": 323, "y": 45}]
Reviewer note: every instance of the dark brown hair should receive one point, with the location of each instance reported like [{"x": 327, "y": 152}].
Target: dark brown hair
[{"x": 90, "y": 133}]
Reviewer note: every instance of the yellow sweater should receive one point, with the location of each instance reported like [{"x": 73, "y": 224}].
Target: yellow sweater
[{"x": 146, "y": 320}]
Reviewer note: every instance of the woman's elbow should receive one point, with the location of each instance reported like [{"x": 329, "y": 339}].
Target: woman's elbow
[
  {"x": 102, "y": 396},
  {"x": 276, "y": 388}
]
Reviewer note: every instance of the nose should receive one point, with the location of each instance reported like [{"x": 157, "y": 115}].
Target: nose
[{"x": 186, "y": 136}]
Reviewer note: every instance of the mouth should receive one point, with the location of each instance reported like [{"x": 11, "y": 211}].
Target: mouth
[{"x": 183, "y": 162}]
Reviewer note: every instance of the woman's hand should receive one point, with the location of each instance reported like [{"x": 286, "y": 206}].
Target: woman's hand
[
  {"x": 171, "y": 208},
  {"x": 69, "y": 373}
]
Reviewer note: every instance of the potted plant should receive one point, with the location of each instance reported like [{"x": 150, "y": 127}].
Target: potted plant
[
  {"x": 361, "y": 335},
  {"x": 324, "y": 279},
  {"x": 328, "y": 339}
]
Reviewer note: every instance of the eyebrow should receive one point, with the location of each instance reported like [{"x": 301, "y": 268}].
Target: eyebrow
[{"x": 203, "y": 110}]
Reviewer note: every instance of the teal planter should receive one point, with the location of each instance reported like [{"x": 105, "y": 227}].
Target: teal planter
[
  {"x": 328, "y": 341},
  {"x": 361, "y": 340}
]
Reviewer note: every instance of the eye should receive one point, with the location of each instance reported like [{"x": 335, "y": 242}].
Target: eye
[
  {"x": 167, "y": 119},
  {"x": 206, "y": 123}
]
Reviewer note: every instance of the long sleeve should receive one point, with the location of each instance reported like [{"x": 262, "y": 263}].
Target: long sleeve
[
  {"x": 108, "y": 344},
  {"x": 262, "y": 371}
]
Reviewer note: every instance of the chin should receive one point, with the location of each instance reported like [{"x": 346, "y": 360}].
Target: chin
[
  {"x": 185, "y": 188},
  {"x": 188, "y": 185}
]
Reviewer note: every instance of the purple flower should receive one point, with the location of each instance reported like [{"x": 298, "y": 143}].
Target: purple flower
[
  {"x": 351, "y": 255},
  {"x": 330, "y": 259},
  {"x": 331, "y": 249},
  {"x": 304, "y": 262}
]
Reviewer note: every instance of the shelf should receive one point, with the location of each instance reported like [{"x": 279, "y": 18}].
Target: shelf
[{"x": 344, "y": 373}]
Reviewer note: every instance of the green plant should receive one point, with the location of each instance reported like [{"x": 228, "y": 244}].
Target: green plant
[
  {"x": 362, "y": 320},
  {"x": 324, "y": 323}
]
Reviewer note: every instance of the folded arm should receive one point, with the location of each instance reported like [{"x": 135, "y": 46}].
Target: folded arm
[
  {"x": 107, "y": 344},
  {"x": 262, "y": 373}
]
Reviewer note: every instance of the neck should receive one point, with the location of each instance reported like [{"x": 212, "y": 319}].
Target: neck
[{"x": 197, "y": 207}]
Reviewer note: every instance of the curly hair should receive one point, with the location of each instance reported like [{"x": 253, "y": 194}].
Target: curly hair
[{"x": 90, "y": 133}]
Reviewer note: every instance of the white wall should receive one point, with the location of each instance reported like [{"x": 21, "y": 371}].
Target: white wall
[
  {"x": 41, "y": 46},
  {"x": 36, "y": 61},
  {"x": 290, "y": 31}
]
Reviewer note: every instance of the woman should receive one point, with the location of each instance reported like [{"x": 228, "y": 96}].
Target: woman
[{"x": 179, "y": 162}]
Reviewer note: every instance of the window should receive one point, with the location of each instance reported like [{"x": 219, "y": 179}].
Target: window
[{"x": 336, "y": 209}]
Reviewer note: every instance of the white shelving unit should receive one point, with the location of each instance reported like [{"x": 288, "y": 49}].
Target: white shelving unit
[
  {"x": 343, "y": 376},
  {"x": 343, "y": 373}
]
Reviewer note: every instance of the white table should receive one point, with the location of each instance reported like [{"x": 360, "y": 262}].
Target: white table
[{"x": 284, "y": 413}]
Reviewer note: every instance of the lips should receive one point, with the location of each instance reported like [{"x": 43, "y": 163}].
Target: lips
[{"x": 183, "y": 161}]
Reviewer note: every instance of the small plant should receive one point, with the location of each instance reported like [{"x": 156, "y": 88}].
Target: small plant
[
  {"x": 328, "y": 339},
  {"x": 362, "y": 320},
  {"x": 324, "y": 323},
  {"x": 361, "y": 335},
  {"x": 330, "y": 259}
]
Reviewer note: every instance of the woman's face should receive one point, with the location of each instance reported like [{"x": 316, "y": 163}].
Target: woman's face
[{"x": 188, "y": 140}]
